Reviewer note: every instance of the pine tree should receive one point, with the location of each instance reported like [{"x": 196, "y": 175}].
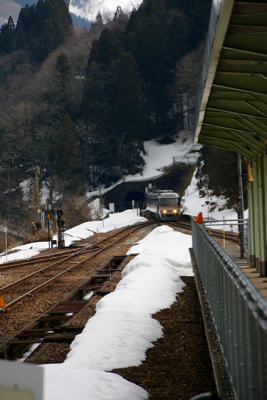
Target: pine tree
[
  {"x": 40, "y": 29},
  {"x": 68, "y": 160},
  {"x": 7, "y": 37},
  {"x": 63, "y": 71},
  {"x": 107, "y": 48},
  {"x": 53, "y": 26},
  {"x": 128, "y": 112}
]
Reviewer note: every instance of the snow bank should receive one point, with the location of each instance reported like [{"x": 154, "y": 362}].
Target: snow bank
[{"x": 122, "y": 329}]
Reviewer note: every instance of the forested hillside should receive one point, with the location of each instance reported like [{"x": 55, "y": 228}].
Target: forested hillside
[{"x": 78, "y": 104}]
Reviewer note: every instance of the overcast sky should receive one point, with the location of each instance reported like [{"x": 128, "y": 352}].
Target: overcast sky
[{"x": 7, "y": 8}]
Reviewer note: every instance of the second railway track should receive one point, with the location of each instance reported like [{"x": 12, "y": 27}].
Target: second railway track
[
  {"x": 29, "y": 290},
  {"x": 42, "y": 277}
]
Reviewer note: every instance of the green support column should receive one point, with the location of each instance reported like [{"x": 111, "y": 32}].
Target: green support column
[
  {"x": 263, "y": 260},
  {"x": 256, "y": 215},
  {"x": 251, "y": 227},
  {"x": 265, "y": 198}
]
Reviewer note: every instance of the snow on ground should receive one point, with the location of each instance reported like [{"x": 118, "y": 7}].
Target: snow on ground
[
  {"x": 193, "y": 204},
  {"x": 122, "y": 329},
  {"x": 83, "y": 231},
  {"x": 160, "y": 156},
  {"x": 115, "y": 221}
]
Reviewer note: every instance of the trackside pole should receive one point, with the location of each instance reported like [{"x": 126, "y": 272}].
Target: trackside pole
[
  {"x": 6, "y": 239},
  {"x": 109, "y": 262},
  {"x": 223, "y": 233},
  {"x": 4, "y": 331},
  {"x": 3, "y": 306}
]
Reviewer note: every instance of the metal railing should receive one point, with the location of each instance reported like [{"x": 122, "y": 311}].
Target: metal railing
[
  {"x": 238, "y": 226},
  {"x": 239, "y": 313}
]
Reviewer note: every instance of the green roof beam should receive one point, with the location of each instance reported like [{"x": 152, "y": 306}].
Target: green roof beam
[
  {"x": 236, "y": 138},
  {"x": 249, "y": 141},
  {"x": 257, "y": 109},
  {"x": 238, "y": 89},
  {"x": 245, "y": 51},
  {"x": 234, "y": 112},
  {"x": 223, "y": 136},
  {"x": 240, "y": 149},
  {"x": 251, "y": 125},
  {"x": 213, "y": 143},
  {"x": 218, "y": 125},
  {"x": 242, "y": 74}
]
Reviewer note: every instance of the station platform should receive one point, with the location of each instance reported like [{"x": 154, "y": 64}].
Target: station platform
[{"x": 259, "y": 282}]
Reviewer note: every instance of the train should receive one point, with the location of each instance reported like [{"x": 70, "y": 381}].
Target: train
[{"x": 163, "y": 204}]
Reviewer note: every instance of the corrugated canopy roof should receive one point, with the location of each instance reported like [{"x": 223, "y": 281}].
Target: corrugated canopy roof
[{"x": 231, "y": 110}]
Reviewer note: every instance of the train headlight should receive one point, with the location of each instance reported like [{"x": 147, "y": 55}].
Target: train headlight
[
  {"x": 164, "y": 211},
  {"x": 175, "y": 211}
]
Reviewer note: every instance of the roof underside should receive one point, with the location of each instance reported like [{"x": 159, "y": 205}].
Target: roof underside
[{"x": 232, "y": 99}]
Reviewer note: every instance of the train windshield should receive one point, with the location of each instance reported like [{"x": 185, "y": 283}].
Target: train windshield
[{"x": 169, "y": 202}]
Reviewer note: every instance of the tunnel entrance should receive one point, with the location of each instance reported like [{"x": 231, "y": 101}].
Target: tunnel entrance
[
  {"x": 134, "y": 195},
  {"x": 126, "y": 204}
]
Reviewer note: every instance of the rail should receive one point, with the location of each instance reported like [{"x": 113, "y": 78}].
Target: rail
[
  {"x": 239, "y": 314},
  {"x": 97, "y": 250}
]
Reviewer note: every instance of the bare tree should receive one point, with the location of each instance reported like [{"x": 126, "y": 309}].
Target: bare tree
[{"x": 183, "y": 92}]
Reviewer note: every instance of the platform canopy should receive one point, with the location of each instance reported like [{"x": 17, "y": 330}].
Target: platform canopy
[
  {"x": 232, "y": 97},
  {"x": 231, "y": 108}
]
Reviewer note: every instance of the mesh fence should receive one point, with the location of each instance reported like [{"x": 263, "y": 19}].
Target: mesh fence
[{"x": 239, "y": 313}]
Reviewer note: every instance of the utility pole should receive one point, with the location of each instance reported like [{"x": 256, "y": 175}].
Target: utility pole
[
  {"x": 37, "y": 193},
  {"x": 241, "y": 208}
]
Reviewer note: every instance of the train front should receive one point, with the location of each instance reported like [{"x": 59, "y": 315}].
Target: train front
[{"x": 169, "y": 206}]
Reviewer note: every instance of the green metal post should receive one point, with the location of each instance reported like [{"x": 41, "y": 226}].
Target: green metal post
[
  {"x": 263, "y": 261},
  {"x": 251, "y": 227},
  {"x": 256, "y": 215},
  {"x": 264, "y": 194}
]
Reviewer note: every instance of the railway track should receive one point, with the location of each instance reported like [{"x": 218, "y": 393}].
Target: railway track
[
  {"x": 43, "y": 283},
  {"x": 62, "y": 254},
  {"x": 62, "y": 264}
]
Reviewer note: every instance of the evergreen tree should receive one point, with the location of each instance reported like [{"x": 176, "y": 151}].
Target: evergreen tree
[
  {"x": 53, "y": 26},
  {"x": 63, "y": 71},
  {"x": 147, "y": 37},
  {"x": 40, "y": 29},
  {"x": 68, "y": 163},
  {"x": 7, "y": 37},
  {"x": 128, "y": 111},
  {"x": 158, "y": 35},
  {"x": 115, "y": 101},
  {"x": 107, "y": 48}
]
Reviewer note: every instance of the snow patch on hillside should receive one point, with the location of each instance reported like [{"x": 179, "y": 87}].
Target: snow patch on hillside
[
  {"x": 160, "y": 156},
  {"x": 89, "y": 9}
]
